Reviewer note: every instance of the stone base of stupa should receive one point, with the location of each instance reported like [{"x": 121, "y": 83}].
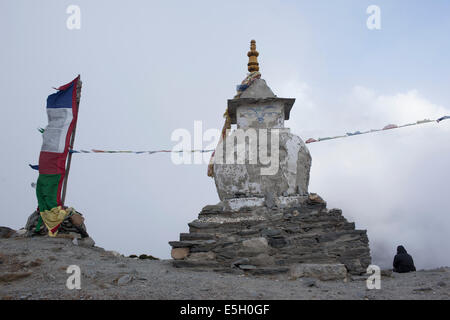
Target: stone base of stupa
[{"x": 283, "y": 235}]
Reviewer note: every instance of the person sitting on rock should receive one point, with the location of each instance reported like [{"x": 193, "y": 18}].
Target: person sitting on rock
[{"x": 403, "y": 262}]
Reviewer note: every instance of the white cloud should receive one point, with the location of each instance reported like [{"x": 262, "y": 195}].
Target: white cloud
[
  {"x": 317, "y": 114},
  {"x": 399, "y": 108}
]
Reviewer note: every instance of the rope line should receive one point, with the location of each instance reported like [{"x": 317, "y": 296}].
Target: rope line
[{"x": 310, "y": 140}]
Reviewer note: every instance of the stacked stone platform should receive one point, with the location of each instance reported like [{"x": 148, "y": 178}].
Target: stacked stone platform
[{"x": 275, "y": 239}]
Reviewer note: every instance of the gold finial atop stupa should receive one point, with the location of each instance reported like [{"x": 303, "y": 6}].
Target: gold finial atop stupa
[{"x": 253, "y": 64}]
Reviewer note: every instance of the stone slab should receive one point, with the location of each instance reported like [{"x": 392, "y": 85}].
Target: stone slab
[{"x": 319, "y": 271}]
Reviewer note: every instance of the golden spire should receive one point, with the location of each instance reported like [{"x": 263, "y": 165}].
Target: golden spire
[{"x": 253, "y": 64}]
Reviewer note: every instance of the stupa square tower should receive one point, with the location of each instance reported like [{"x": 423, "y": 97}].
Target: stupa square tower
[{"x": 267, "y": 222}]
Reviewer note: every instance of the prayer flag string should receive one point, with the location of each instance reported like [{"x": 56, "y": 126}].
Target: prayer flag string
[{"x": 310, "y": 140}]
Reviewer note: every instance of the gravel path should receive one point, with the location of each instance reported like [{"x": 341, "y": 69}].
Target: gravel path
[{"x": 35, "y": 268}]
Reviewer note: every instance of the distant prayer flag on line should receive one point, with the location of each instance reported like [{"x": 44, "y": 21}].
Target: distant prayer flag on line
[
  {"x": 390, "y": 126},
  {"x": 310, "y": 140},
  {"x": 62, "y": 113},
  {"x": 423, "y": 121},
  {"x": 442, "y": 118}
]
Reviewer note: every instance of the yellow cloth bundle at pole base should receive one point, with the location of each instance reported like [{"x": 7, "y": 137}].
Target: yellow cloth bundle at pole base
[{"x": 53, "y": 218}]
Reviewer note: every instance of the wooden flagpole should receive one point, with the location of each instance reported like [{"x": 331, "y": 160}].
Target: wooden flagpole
[{"x": 72, "y": 141}]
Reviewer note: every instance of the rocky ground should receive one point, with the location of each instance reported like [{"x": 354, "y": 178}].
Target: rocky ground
[{"x": 35, "y": 268}]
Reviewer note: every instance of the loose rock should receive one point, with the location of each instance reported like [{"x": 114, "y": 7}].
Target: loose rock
[
  {"x": 179, "y": 253},
  {"x": 320, "y": 271},
  {"x": 124, "y": 280},
  {"x": 6, "y": 232}
]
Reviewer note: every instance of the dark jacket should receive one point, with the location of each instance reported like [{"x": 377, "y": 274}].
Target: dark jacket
[{"x": 403, "y": 262}]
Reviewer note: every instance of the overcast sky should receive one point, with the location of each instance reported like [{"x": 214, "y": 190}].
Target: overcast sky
[{"x": 150, "y": 67}]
